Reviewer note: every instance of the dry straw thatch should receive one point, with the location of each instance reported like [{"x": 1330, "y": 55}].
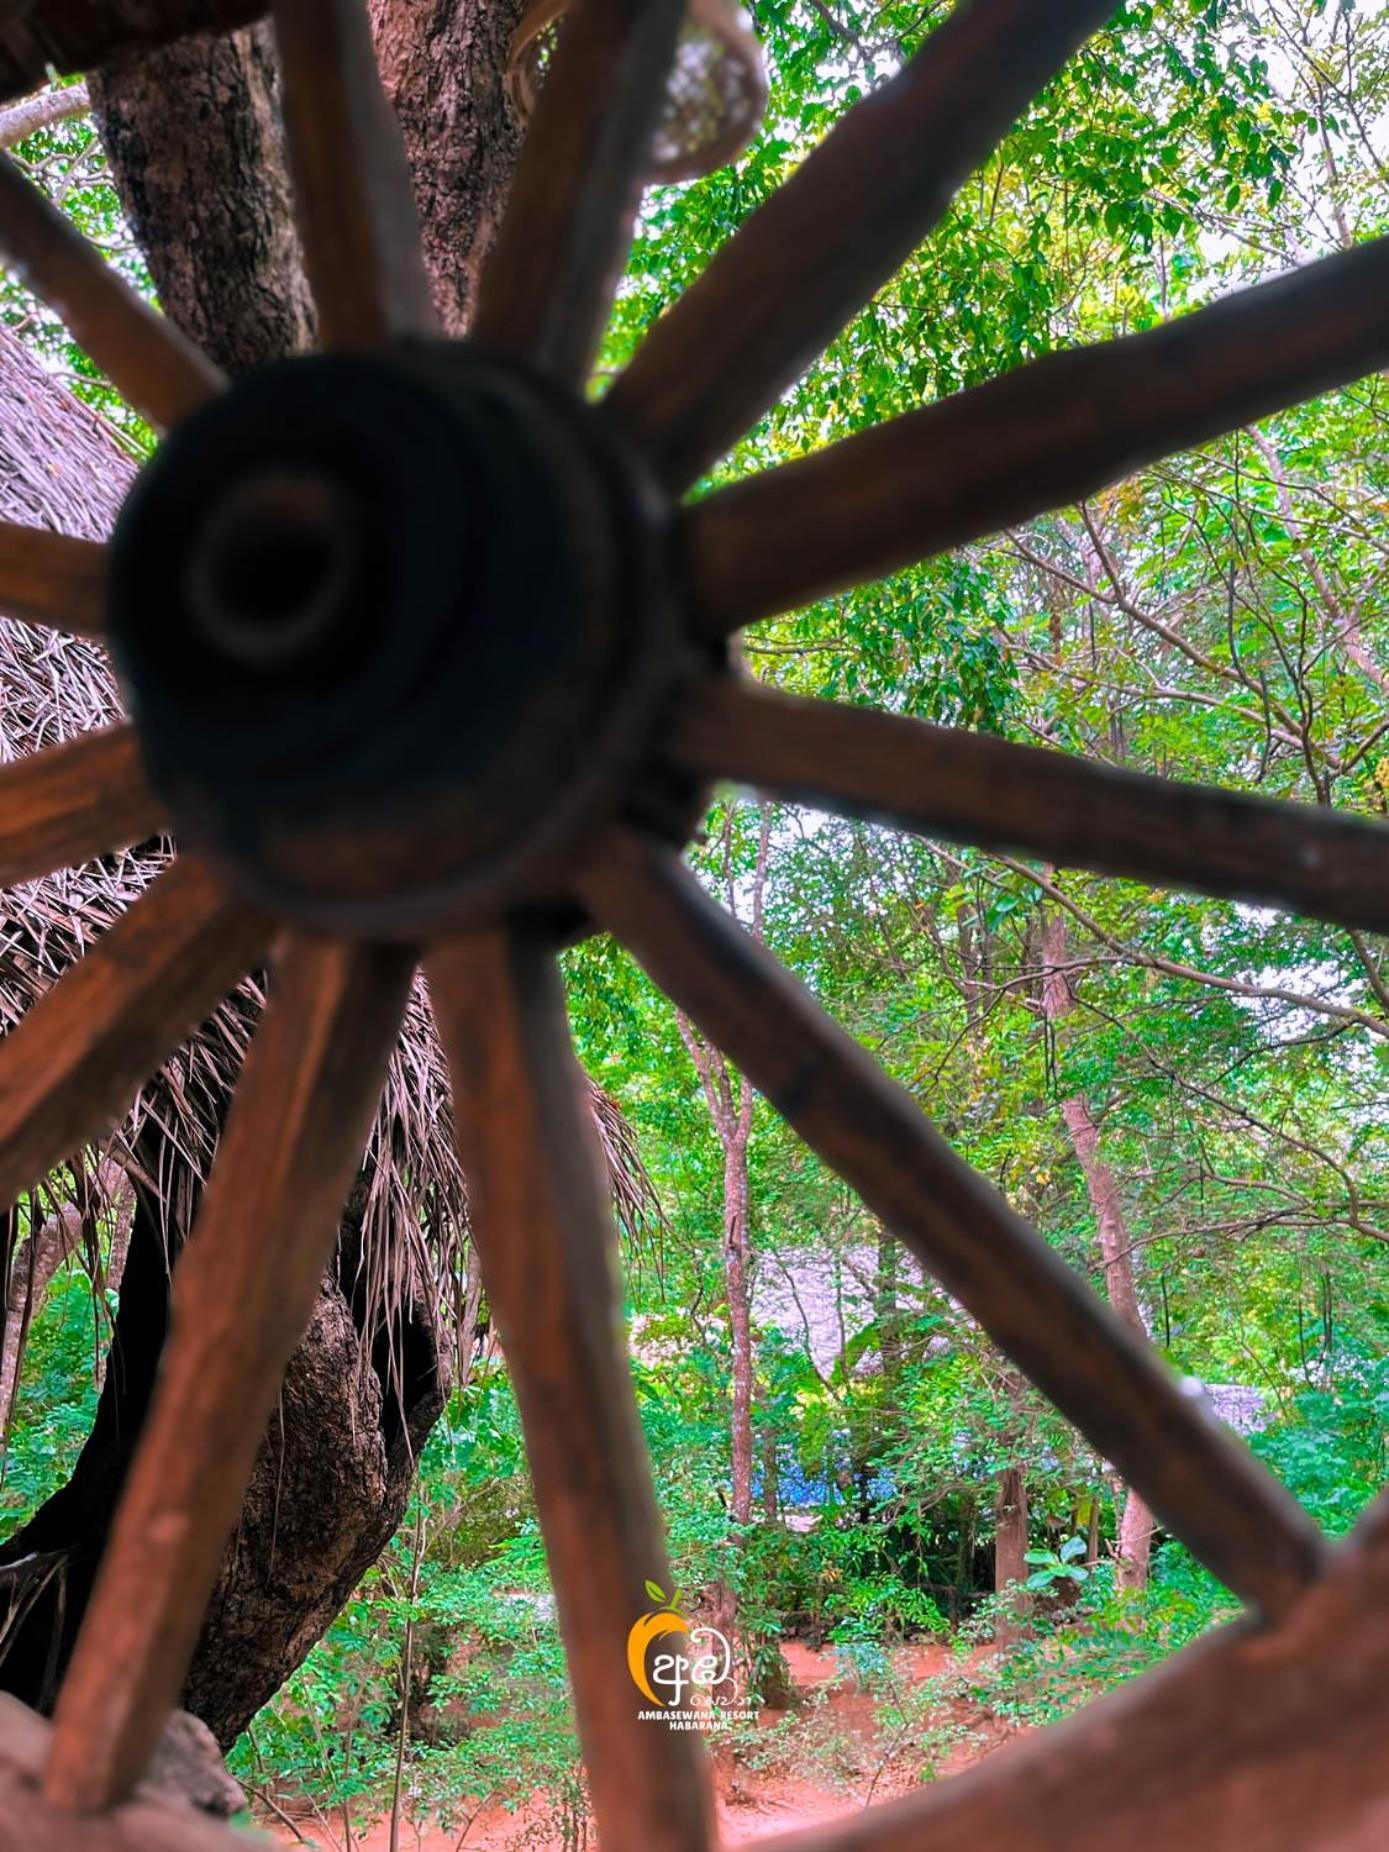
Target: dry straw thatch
[{"x": 59, "y": 468}]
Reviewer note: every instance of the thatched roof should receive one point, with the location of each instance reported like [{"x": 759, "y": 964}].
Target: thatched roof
[{"x": 60, "y": 468}]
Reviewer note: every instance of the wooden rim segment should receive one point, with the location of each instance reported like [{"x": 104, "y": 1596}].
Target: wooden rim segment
[
  {"x": 973, "y": 788},
  {"x": 161, "y": 372},
  {"x": 38, "y": 37},
  {"x": 353, "y": 197},
  {"x": 75, "y": 1060},
  {"x": 782, "y": 288},
  {"x": 48, "y": 578},
  {"x": 1032, "y": 440},
  {"x": 71, "y": 803},
  {"x": 1204, "y": 1485},
  {"x": 243, "y": 1291},
  {"x": 552, "y": 274},
  {"x": 543, "y": 1231},
  {"x": 149, "y": 1822}
]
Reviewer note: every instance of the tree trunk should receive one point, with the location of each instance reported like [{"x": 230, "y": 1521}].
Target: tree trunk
[
  {"x": 771, "y": 1477},
  {"x": 1010, "y": 1541},
  {"x": 329, "y": 1488},
  {"x": 729, "y": 1099},
  {"x": 443, "y": 63},
  {"x": 1010, "y": 1548},
  {"x": 1134, "y": 1542},
  {"x": 197, "y": 156},
  {"x": 737, "y": 1288},
  {"x": 31, "y": 1266},
  {"x": 329, "y": 1491},
  {"x": 737, "y": 1264},
  {"x": 196, "y": 153},
  {"x": 887, "y": 1316}
]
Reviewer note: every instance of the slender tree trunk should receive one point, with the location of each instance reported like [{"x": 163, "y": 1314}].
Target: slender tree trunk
[
  {"x": 1134, "y": 1542},
  {"x": 1010, "y": 1536},
  {"x": 771, "y": 1477},
  {"x": 887, "y": 1315},
  {"x": 32, "y": 1265},
  {"x": 729, "y": 1099},
  {"x": 1011, "y": 1511},
  {"x": 37, "y": 1259},
  {"x": 737, "y": 1267}
]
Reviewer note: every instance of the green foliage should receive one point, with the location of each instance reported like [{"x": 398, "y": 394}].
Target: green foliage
[{"x": 58, "y": 1403}]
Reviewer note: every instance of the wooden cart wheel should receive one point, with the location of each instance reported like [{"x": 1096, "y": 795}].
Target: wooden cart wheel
[{"x": 427, "y": 663}]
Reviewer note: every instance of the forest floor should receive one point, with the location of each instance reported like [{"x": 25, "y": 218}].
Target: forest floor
[{"x": 842, "y": 1750}]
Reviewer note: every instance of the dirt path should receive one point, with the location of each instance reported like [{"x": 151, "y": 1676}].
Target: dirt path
[{"x": 752, "y": 1804}]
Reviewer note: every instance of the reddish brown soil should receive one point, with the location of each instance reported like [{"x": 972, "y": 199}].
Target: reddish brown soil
[{"x": 753, "y": 1803}]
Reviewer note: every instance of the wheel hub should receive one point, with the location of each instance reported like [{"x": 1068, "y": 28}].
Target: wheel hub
[{"x": 394, "y": 631}]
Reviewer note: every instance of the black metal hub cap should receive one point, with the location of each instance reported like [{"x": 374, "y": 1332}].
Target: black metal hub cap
[{"x": 392, "y": 629}]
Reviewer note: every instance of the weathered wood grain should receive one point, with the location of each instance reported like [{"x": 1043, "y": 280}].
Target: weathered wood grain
[
  {"x": 777, "y": 294},
  {"x": 1204, "y": 1485},
  {"x": 243, "y": 1290},
  {"x": 943, "y": 781},
  {"x": 149, "y": 1822},
  {"x": 544, "y": 1237},
  {"x": 353, "y": 196},
  {"x": 549, "y": 282},
  {"x": 48, "y": 578},
  {"x": 72, "y": 1065},
  {"x": 69, "y": 803},
  {"x": 145, "y": 357},
  {"x": 1038, "y": 438},
  {"x": 73, "y": 35}
]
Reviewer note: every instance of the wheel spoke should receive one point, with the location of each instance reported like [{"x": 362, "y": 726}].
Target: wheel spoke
[
  {"x": 75, "y": 1060},
  {"x": 243, "y": 1292},
  {"x": 1203, "y": 1484},
  {"x": 550, "y": 280},
  {"x": 145, "y": 357},
  {"x": 1038, "y": 438},
  {"x": 971, "y": 788},
  {"x": 353, "y": 197},
  {"x": 71, "y": 803},
  {"x": 47, "y": 578},
  {"x": 778, "y": 293},
  {"x": 544, "y": 1238}
]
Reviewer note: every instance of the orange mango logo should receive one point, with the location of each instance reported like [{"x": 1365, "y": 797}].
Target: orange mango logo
[{"x": 665, "y": 1619}]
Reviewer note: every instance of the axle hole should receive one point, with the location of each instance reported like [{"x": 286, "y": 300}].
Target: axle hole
[{"x": 271, "y": 569}]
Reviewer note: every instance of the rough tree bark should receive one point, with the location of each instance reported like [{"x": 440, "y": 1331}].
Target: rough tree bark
[
  {"x": 197, "y": 155},
  {"x": 1133, "y": 1545},
  {"x": 443, "y": 63}
]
